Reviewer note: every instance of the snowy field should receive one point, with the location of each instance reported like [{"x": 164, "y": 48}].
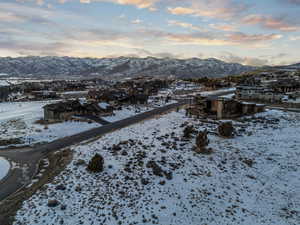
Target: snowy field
[
  {"x": 131, "y": 110},
  {"x": 207, "y": 93},
  {"x": 127, "y": 111},
  {"x": 17, "y": 120},
  {"x": 4, "y": 167},
  {"x": 250, "y": 179}
]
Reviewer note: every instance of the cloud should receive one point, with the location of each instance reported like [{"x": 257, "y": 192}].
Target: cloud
[
  {"x": 252, "y": 38},
  {"x": 184, "y": 25},
  {"x": 13, "y": 13},
  {"x": 296, "y": 2},
  {"x": 136, "y": 21},
  {"x": 295, "y": 38},
  {"x": 142, "y": 4},
  {"x": 251, "y": 61},
  {"x": 146, "y": 53},
  {"x": 271, "y": 23},
  {"x": 34, "y": 48},
  {"x": 150, "y": 4},
  {"x": 197, "y": 39},
  {"x": 275, "y": 59},
  {"x": 224, "y": 27},
  {"x": 33, "y": 29},
  {"x": 216, "y": 39},
  {"x": 224, "y": 9}
]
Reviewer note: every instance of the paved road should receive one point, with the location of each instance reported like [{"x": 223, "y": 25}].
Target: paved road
[
  {"x": 96, "y": 119},
  {"x": 29, "y": 158}
]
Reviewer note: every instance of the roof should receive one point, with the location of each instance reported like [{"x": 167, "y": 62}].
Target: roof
[
  {"x": 67, "y": 106},
  {"x": 70, "y": 106}
]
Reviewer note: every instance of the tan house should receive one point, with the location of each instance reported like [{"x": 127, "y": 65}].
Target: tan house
[{"x": 222, "y": 108}]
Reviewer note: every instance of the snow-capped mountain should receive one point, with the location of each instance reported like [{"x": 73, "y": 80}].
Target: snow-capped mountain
[
  {"x": 118, "y": 67},
  {"x": 294, "y": 66}
]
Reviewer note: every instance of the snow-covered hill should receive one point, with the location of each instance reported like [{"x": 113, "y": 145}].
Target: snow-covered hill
[
  {"x": 249, "y": 179},
  {"x": 292, "y": 67},
  {"x": 118, "y": 67},
  {"x": 295, "y": 66}
]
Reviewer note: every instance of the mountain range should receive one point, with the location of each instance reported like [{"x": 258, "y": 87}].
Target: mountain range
[{"x": 121, "y": 67}]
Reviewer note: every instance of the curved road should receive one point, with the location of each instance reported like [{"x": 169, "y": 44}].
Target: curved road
[{"x": 27, "y": 159}]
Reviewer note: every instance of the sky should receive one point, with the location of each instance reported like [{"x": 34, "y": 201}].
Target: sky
[{"x": 250, "y": 32}]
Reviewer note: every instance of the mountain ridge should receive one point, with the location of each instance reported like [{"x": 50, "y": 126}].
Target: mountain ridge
[{"x": 118, "y": 67}]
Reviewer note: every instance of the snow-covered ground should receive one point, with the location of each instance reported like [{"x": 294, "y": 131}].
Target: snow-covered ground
[
  {"x": 127, "y": 111},
  {"x": 131, "y": 110},
  {"x": 4, "y": 83},
  {"x": 4, "y": 167},
  {"x": 229, "y": 96},
  {"x": 17, "y": 120},
  {"x": 206, "y": 93},
  {"x": 250, "y": 179}
]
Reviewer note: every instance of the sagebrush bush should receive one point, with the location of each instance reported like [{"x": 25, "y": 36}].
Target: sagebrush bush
[{"x": 96, "y": 164}]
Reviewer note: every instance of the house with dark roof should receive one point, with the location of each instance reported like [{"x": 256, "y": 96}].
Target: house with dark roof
[{"x": 65, "y": 110}]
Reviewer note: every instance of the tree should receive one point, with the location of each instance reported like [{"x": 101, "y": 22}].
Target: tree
[
  {"x": 188, "y": 131},
  {"x": 202, "y": 143},
  {"x": 226, "y": 129},
  {"x": 96, "y": 164}
]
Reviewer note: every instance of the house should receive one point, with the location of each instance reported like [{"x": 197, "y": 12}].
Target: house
[
  {"x": 112, "y": 96},
  {"x": 270, "y": 86},
  {"x": 143, "y": 85},
  {"x": 274, "y": 91},
  {"x": 65, "y": 110},
  {"x": 222, "y": 108},
  {"x": 116, "y": 97},
  {"x": 258, "y": 93},
  {"x": 73, "y": 94},
  {"x": 138, "y": 99},
  {"x": 285, "y": 85},
  {"x": 44, "y": 94}
]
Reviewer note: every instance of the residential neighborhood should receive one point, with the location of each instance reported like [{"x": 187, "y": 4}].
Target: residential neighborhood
[
  {"x": 149, "y": 112},
  {"x": 56, "y": 115}
]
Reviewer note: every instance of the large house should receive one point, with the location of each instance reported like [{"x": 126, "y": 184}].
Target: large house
[
  {"x": 222, "y": 108},
  {"x": 65, "y": 110},
  {"x": 116, "y": 97},
  {"x": 258, "y": 93},
  {"x": 274, "y": 91},
  {"x": 271, "y": 87}
]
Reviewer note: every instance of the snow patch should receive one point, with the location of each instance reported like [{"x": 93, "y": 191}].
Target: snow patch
[{"x": 4, "y": 167}]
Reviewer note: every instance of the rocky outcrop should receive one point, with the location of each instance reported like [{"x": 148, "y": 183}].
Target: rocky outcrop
[{"x": 53, "y": 203}]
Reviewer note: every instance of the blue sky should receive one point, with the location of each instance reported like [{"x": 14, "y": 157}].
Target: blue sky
[{"x": 251, "y": 32}]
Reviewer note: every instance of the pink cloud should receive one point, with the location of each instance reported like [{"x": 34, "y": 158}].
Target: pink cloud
[{"x": 270, "y": 23}]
